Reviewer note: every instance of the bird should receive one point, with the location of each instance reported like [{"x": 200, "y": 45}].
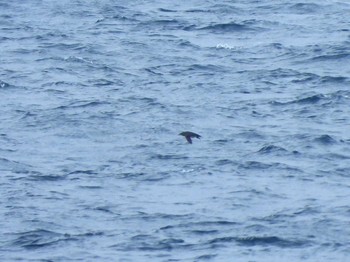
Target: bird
[{"x": 188, "y": 135}]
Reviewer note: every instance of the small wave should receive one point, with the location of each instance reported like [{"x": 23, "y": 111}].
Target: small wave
[
  {"x": 344, "y": 172},
  {"x": 260, "y": 241},
  {"x": 223, "y": 162},
  {"x": 166, "y": 10},
  {"x": 305, "y": 8},
  {"x": 86, "y": 172},
  {"x": 307, "y": 100},
  {"x": 83, "y": 104},
  {"x": 271, "y": 149},
  {"x": 104, "y": 82},
  {"x": 270, "y": 241},
  {"x": 165, "y": 24},
  {"x": 325, "y": 140},
  {"x": 206, "y": 257},
  {"x": 331, "y": 57},
  {"x": 4, "y": 84},
  {"x": 14, "y": 166},
  {"x": 41, "y": 178},
  {"x": 204, "y": 232},
  {"x": 208, "y": 68},
  {"x": 197, "y": 11},
  {"x": 221, "y": 141},
  {"x": 202, "y": 226},
  {"x": 76, "y": 59},
  {"x": 152, "y": 243},
  {"x": 255, "y": 165},
  {"x": 168, "y": 157},
  {"x": 228, "y": 27},
  {"x": 38, "y": 238},
  {"x": 334, "y": 79},
  {"x": 131, "y": 175},
  {"x": 91, "y": 187},
  {"x": 333, "y": 156}
]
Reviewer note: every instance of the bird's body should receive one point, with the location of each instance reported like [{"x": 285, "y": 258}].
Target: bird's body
[{"x": 188, "y": 135}]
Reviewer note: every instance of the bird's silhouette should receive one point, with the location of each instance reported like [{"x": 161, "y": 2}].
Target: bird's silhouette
[{"x": 188, "y": 135}]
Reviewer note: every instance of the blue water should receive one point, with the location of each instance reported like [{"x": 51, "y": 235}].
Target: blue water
[{"x": 95, "y": 93}]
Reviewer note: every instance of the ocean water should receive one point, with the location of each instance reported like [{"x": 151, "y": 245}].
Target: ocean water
[{"x": 95, "y": 93}]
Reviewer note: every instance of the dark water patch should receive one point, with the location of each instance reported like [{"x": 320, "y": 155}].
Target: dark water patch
[
  {"x": 153, "y": 72},
  {"x": 187, "y": 44},
  {"x": 104, "y": 209},
  {"x": 83, "y": 172},
  {"x": 39, "y": 238},
  {"x": 251, "y": 134},
  {"x": 195, "y": 10},
  {"x": 157, "y": 177},
  {"x": 230, "y": 27},
  {"x": 325, "y": 140},
  {"x": 84, "y": 104},
  {"x": 129, "y": 175},
  {"x": 342, "y": 171},
  {"x": 151, "y": 243},
  {"x": 167, "y": 10},
  {"x": 306, "y": 78},
  {"x": 158, "y": 216},
  {"x": 4, "y": 85},
  {"x": 51, "y": 35},
  {"x": 91, "y": 187},
  {"x": 44, "y": 178},
  {"x": 307, "y": 211},
  {"x": 14, "y": 166},
  {"x": 206, "y": 257},
  {"x": 336, "y": 156},
  {"x": 309, "y": 100},
  {"x": 144, "y": 101},
  {"x": 221, "y": 141},
  {"x": 168, "y": 157},
  {"x": 314, "y": 99},
  {"x": 305, "y": 8},
  {"x": 227, "y": 8},
  {"x": 164, "y": 24},
  {"x": 202, "y": 226},
  {"x": 285, "y": 75},
  {"x": 258, "y": 228},
  {"x": 105, "y": 82},
  {"x": 331, "y": 57},
  {"x": 208, "y": 68},
  {"x": 204, "y": 232},
  {"x": 5, "y": 138},
  {"x": 256, "y": 165},
  {"x": 334, "y": 79},
  {"x": 223, "y": 162},
  {"x": 271, "y": 241},
  {"x": 261, "y": 241},
  {"x": 8, "y": 150}
]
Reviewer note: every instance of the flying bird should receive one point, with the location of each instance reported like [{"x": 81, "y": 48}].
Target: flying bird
[{"x": 188, "y": 135}]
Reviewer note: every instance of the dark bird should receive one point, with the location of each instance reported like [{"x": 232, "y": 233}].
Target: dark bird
[{"x": 188, "y": 135}]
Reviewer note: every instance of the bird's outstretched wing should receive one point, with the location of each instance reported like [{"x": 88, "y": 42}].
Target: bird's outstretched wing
[{"x": 189, "y": 140}]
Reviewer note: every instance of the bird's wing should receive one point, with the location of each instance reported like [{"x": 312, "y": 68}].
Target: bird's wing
[{"x": 188, "y": 138}]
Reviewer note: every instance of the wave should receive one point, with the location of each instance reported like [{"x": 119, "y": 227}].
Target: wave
[
  {"x": 4, "y": 85},
  {"x": 269, "y": 149},
  {"x": 38, "y": 238},
  {"x": 325, "y": 140},
  {"x": 229, "y": 27}
]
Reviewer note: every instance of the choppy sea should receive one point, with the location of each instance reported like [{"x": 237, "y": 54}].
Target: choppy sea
[{"x": 94, "y": 94}]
